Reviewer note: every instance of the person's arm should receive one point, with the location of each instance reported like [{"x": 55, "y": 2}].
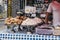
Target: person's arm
[
  {"x": 49, "y": 10},
  {"x": 46, "y": 18}
]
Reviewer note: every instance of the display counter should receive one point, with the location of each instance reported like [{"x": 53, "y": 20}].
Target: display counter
[{"x": 24, "y": 36}]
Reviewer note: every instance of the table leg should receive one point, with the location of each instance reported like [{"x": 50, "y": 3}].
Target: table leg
[{"x": 19, "y": 29}]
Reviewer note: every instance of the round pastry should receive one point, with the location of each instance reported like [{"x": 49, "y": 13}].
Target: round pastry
[
  {"x": 8, "y": 20},
  {"x": 23, "y": 17},
  {"x": 12, "y": 20},
  {"x": 8, "y": 23},
  {"x": 17, "y": 17},
  {"x": 20, "y": 21},
  {"x": 16, "y": 21}
]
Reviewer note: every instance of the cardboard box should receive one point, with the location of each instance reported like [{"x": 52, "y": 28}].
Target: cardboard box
[
  {"x": 43, "y": 31},
  {"x": 30, "y": 9},
  {"x": 56, "y": 32}
]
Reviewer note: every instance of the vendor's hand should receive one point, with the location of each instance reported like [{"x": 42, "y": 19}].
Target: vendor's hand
[{"x": 46, "y": 23}]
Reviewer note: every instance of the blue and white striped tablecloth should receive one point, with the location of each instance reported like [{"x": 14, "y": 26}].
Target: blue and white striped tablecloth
[{"x": 28, "y": 37}]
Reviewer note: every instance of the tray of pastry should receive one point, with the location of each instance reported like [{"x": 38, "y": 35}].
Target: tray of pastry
[
  {"x": 16, "y": 20},
  {"x": 30, "y": 21}
]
